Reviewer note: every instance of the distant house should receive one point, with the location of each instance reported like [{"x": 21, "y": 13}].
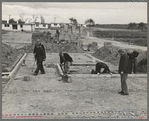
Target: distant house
[
  {"x": 4, "y": 22},
  {"x": 41, "y": 26},
  {"x": 29, "y": 27},
  {"x": 17, "y": 26},
  {"x": 55, "y": 26},
  {"x": 12, "y": 26}
]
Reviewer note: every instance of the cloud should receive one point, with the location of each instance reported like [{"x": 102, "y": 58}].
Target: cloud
[
  {"x": 80, "y": 5},
  {"x": 99, "y": 12}
]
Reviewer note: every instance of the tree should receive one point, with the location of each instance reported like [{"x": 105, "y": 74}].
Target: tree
[
  {"x": 42, "y": 19},
  {"x": 141, "y": 26},
  {"x": 73, "y": 21},
  {"x": 21, "y": 16},
  {"x": 132, "y": 26},
  {"x": 12, "y": 20},
  {"x": 89, "y": 22},
  {"x": 20, "y": 21},
  {"x": 34, "y": 17}
]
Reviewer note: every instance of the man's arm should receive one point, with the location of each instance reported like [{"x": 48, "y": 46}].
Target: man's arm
[
  {"x": 62, "y": 59},
  {"x": 67, "y": 57},
  {"x": 34, "y": 52},
  {"x": 44, "y": 53},
  {"x": 125, "y": 64}
]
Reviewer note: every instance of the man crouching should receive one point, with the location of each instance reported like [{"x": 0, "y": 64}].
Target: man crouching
[
  {"x": 65, "y": 60},
  {"x": 100, "y": 65}
]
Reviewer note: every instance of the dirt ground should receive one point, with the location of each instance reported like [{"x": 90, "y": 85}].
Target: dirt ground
[{"x": 85, "y": 97}]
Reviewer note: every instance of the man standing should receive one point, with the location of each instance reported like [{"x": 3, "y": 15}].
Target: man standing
[
  {"x": 67, "y": 60},
  {"x": 40, "y": 56},
  {"x": 123, "y": 71},
  {"x": 133, "y": 61},
  {"x": 57, "y": 34},
  {"x": 100, "y": 65}
]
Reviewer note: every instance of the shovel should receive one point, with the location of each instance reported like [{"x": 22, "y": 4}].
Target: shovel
[{"x": 33, "y": 66}]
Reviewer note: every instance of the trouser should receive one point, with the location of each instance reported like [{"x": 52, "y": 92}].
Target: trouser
[
  {"x": 39, "y": 67},
  {"x": 67, "y": 67},
  {"x": 133, "y": 65},
  {"x": 123, "y": 82}
]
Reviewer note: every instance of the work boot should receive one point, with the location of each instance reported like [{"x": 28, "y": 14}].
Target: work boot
[
  {"x": 42, "y": 72},
  {"x": 121, "y": 92},
  {"x": 124, "y": 93},
  {"x": 35, "y": 74}
]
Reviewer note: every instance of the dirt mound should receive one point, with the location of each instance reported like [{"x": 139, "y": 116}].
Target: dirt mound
[
  {"x": 93, "y": 46},
  {"x": 9, "y": 54},
  {"x": 110, "y": 54},
  {"x": 106, "y": 53},
  {"x": 142, "y": 66}
]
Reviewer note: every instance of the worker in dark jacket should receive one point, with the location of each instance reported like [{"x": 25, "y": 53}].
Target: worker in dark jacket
[
  {"x": 123, "y": 70},
  {"x": 65, "y": 60},
  {"x": 100, "y": 65},
  {"x": 133, "y": 60},
  {"x": 40, "y": 56},
  {"x": 57, "y": 34}
]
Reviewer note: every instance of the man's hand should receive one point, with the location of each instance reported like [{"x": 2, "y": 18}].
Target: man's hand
[
  {"x": 121, "y": 72},
  {"x": 61, "y": 64}
]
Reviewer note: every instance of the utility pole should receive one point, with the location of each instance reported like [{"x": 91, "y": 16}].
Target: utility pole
[
  {"x": 8, "y": 21},
  {"x": 54, "y": 19}
]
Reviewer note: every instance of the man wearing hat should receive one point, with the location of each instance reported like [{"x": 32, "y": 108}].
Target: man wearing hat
[
  {"x": 123, "y": 71},
  {"x": 132, "y": 60},
  {"x": 40, "y": 56}
]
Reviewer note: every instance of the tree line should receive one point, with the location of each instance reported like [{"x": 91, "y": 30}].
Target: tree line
[
  {"x": 134, "y": 25},
  {"x": 89, "y": 22}
]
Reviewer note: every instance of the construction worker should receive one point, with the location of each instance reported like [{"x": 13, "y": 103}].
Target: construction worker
[
  {"x": 100, "y": 65},
  {"x": 123, "y": 70},
  {"x": 132, "y": 60},
  {"x": 57, "y": 34},
  {"x": 65, "y": 62},
  {"x": 40, "y": 56}
]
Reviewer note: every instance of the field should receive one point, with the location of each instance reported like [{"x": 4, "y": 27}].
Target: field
[{"x": 132, "y": 37}]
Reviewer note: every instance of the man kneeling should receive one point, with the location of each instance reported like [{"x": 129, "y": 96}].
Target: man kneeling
[{"x": 100, "y": 65}]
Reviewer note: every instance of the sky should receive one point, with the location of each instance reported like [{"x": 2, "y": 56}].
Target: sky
[{"x": 100, "y": 12}]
